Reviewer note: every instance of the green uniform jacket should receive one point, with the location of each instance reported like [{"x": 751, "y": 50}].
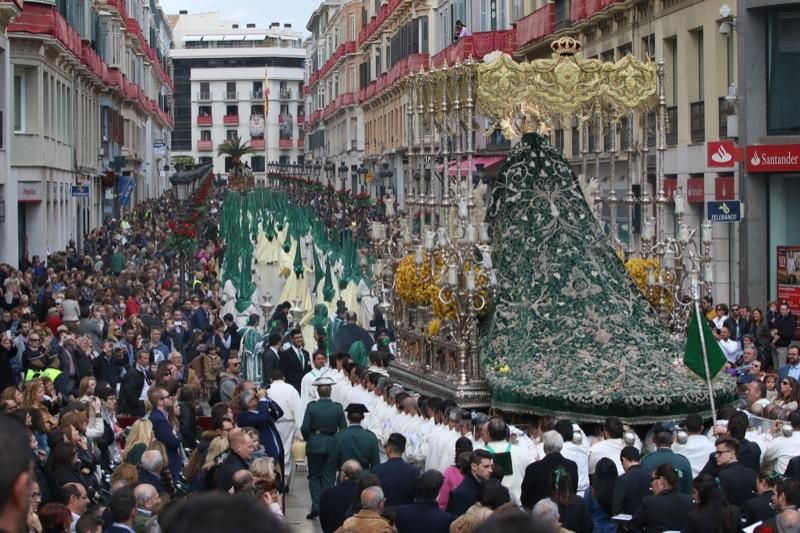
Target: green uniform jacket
[
  {"x": 680, "y": 463},
  {"x": 322, "y": 420},
  {"x": 356, "y": 443}
]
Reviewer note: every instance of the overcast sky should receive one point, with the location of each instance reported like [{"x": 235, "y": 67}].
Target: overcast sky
[{"x": 262, "y": 12}]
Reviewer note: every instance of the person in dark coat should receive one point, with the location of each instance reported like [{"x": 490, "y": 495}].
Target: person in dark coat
[
  {"x": 107, "y": 364},
  {"x": 238, "y": 459},
  {"x": 149, "y": 470},
  {"x": 737, "y": 481},
  {"x": 760, "y": 508},
  {"x": 259, "y": 412},
  {"x": 130, "y": 394},
  {"x": 270, "y": 356},
  {"x": 749, "y": 454},
  {"x": 466, "y": 494},
  {"x": 398, "y": 478},
  {"x": 662, "y": 438},
  {"x": 535, "y": 484},
  {"x": 334, "y": 501},
  {"x": 711, "y": 511},
  {"x": 424, "y": 515},
  {"x": 631, "y": 486},
  {"x": 163, "y": 431},
  {"x": 7, "y": 352},
  {"x": 295, "y": 361},
  {"x": 668, "y": 508}
]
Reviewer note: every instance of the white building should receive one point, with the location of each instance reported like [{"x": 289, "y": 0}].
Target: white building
[
  {"x": 8, "y": 188},
  {"x": 228, "y": 78}
]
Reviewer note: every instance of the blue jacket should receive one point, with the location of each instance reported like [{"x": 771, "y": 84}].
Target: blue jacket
[
  {"x": 169, "y": 437},
  {"x": 399, "y": 481},
  {"x": 264, "y": 422},
  {"x": 334, "y": 503},
  {"x": 422, "y": 517}
]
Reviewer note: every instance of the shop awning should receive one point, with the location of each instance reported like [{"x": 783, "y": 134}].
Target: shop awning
[
  {"x": 259, "y": 37},
  {"x": 207, "y": 38},
  {"x": 234, "y": 38},
  {"x": 486, "y": 160},
  {"x": 192, "y": 38}
]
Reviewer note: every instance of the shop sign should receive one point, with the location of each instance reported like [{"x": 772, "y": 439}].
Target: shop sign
[
  {"x": 29, "y": 191},
  {"x": 80, "y": 191},
  {"x": 721, "y": 154},
  {"x": 725, "y": 211},
  {"x": 723, "y": 188},
  {"x": 670, "y": 186},
  {"x": 773, "y": 158},
  {"x": 788, "y": 277},
  {"x": 695, "y": 190}
]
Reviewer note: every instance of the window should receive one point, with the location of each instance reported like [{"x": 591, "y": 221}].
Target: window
[
  {"x": 257, "y": 163},
  {"x": 783, "y": 63},
  {"x": 204, "y": 160},
  {"x": 205, "y": 135},
  {"x": 697, "y": 36},
  {"x": 351, "y": 27},
  {"x": 230, "y": 91},
  {"x": 231, "y": 110},
  {"x": 205, "y": 91},
  {"x": 231, "y": 134},
  {"x": 228, "y": 164},
  {"x": 257, "y": 110},
  {"x": 671, "y": 59},
  {"x": 19, "y": 103},
  {"x": 204, "y": 111}
]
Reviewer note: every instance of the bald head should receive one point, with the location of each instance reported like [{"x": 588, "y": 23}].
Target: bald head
[
  {"x": 152, "y": 461},
  {"x": 351, "y": 469},
  {"x": 410, "y": 406},
  {"x": 372, "y": 498},
  {"x": 146, "y": 496}
]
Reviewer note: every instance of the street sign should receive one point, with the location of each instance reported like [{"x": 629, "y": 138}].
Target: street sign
[
  {"x": 722, "y": 154},
  {"x": 723, "y": 188},
  {"x": 773, "y": 158},
  {"x": 125, "y": 187},
  {"x": 80, "y": 191},
  {"x": 729, "y": 211}
]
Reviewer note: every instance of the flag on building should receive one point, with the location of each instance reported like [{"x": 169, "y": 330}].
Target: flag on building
[{"x": 694, "y": 354}]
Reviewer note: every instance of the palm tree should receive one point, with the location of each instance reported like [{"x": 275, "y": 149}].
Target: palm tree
[{"x": 235, "y": 149}]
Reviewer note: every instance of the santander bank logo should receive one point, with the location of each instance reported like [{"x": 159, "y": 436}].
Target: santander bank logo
[
  {"x": 722, "y": 155},
  {"x": 755, "y": 160}
]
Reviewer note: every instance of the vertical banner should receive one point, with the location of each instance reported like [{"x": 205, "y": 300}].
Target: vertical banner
[{"x": 788, "y": 277}]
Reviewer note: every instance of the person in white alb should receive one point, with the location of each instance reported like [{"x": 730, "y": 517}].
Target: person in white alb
[
  {"x": 289, "y": 424},
  {"x": 308, "y": 393},
  {"x": 611, "y": 445},
  {"x": 510, "y": 456},
  {"x": 783, "y": 447},
  {"x": 697, "y": 447}
]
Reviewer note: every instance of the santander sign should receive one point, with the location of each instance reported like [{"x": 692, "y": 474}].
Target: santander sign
[
  {"x": 722, "y": 154},
  {"x": 773, "y": 158}
]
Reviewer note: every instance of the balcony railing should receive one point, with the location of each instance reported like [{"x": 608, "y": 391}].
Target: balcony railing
[
  {"x": 205, "y": 120},
  {"x": 301, "y": 143},
  {"x": 286, "y": 94},
  {"x": 258, "y": 144},
  {"x": 537, "y": 25},
  {"x": 284, "y": 118},
  {"x": 230, "y": 120},
  {"x": 301, "y": 119},
  {"x": 477, "y": 46},
  {"x": 725, "y": 110},
  {"x": 231, "y": 95},
  {"x": 203, "y": 97},
  {"x": 285, "y": 144},
  {"x": 697, "y": 121},
  {"x": 256, "y": 95},
  {"x": 205, "y": 146},
  {"x": 672, "y": 126}
]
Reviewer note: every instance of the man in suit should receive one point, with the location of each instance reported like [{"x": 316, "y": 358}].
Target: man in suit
[
  {"x": 107, "y": 364},
  {"x": 662, "y": 438},
  {"x": 123, "y": 510},
  {"x": 201, "y": 318},
  {"x": 782, "y": 334},
  {"x": 631, "y": 486},
  {"x": 424, "y": 515},
  {"x": 737, "y": 481},
  {"x": 259, "y": 412},
  {"x": 149, "y": 470},
  {"x": 536, "y": 483},
  {"x": 271, "y": 356},
  {"x": 148, "y": 501},
  {"x": 466, "y": 494},
  {"x": 135, "y": 387},
  {"x": 792, "y": 367},
  {"x": 355, "y": 442},
  {"x": 295, "y": 361},
  {"x": 241, "y": 446},
  {"x": 322, "y": 419},
  {"x": 163, "y": 431},
  {"x": 336, "y": 500},
  {"x": 398, "y": 478},
  {"x": 786, "y": 496}
]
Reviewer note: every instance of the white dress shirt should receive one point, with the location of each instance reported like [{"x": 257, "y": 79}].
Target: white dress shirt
[{"x": 697, "y": 450}]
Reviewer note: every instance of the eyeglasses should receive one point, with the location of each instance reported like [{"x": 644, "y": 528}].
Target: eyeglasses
[
  {"x": 720, "y": 452},
  {"x": 785, "y": 383},
  {"x": 33, "y": 340}
]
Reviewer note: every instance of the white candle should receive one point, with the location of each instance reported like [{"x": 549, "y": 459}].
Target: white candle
[
  {"x": 709, "y": 273},
  {"x": 441, "y": 237},
  {"x": 462, "y": 208},
  {"x": 429, "y": 239},
  {"x": 680, "y": 205},
  {"x": 469, "y": 278},
  {"x": 647, "y": 230},
  {"x": 406, "y": 232},
  {"x": 683, "y": 234},
  {"x": 669, "y": 259},
  {"x": 483, "y": 232},
  {"x": 378, "y": 267},
  {"x": 487, "y": 259},
  {"x": 418, "y": 255},
  {"x": 651, "y": 276},
  {"x": 452, "y": 275},
  {"x": 376, "y": 231},
  {"x": 389, "y": 201},
  {"x": 472, "y": 235}
]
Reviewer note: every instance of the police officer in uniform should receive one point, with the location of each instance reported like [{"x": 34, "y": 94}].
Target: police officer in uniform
[
  {"x": 38, "y": 368},
  {"x": 355, "y": 442},
  {"x": 323, "y": 418}
]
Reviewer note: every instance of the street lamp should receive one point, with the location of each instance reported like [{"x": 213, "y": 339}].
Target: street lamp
[
  {"x": 343, "y": 173},
  {"x": 330, "y": 168},
  {"x": 362, "y": 173},
  {"x": 386, "y": 175}
]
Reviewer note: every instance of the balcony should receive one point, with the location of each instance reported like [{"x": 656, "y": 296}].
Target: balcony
[
  {"x": 285, "y": 144},
  {"x": 725, "y": 110},
  {"x": 301, "y": 143},
  {"x": 203, "y": 97},
  {"x": 697, "y": 121},
  {"x": 672, "y": 126},
  {"x": 401, "y": 69},
  {"x": 231, "y": 96},
  {"x": 205, "y": 145},
  {"x": 256, "y": 95},
  {"x": 205, "y": 120},
  {"x": 301, "y": 119},
  {"x": 286, "y": 94},
  {"x": 230, "y": 120},
  {"x": 258, "y": 144},
  {"x": 284, "y": 118},
  {"x": 537, "y": 25},
  {"x": 477, "y": 46}
]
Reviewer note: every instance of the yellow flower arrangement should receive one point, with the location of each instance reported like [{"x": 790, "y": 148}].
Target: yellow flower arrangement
[
  {"x": 434, "y": 327},
  {"x": 637, "y": 269}
]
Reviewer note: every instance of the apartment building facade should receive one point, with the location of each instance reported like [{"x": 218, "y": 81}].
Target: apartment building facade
[
  {"x": 90, "y": 100},
  {"x": 9, "y": 9},
  {"x": 238, "y": 80}
]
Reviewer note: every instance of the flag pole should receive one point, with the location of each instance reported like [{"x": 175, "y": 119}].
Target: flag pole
[{"x": 705, "y": 352}]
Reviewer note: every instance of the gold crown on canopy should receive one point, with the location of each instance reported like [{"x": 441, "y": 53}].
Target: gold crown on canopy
[{"x": 566, "y": 46}]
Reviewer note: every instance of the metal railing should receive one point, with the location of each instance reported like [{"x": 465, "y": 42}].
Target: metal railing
[
  {"x": 203, "y": 97},
  {"x": 256, "y": 95},
  {"x": 231, "y": 95},
  {"x": 697, "y": 121},
  {"x": 286, "y": 94}
]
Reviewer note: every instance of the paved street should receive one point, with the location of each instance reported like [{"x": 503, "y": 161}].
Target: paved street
[{"x": 298, "y": 504}]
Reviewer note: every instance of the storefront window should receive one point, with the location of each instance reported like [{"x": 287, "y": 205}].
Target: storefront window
[
  {"x": 783, "y": 56},
  {"x": 784, "y": 219}
]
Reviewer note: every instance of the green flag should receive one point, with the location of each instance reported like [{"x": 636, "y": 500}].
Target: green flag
[{"x": 693, "y": 356}]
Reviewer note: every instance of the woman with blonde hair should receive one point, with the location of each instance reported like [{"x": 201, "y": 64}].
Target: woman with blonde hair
[
  {"x": 217, "y": 447},
  {"x": 87, "y": 385},
  {"x": 33, "y": 398},
  {"x": 139, "y": 438},
  {"x": 263, "y": 468},
  {"x": 125, "y": 472}
]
